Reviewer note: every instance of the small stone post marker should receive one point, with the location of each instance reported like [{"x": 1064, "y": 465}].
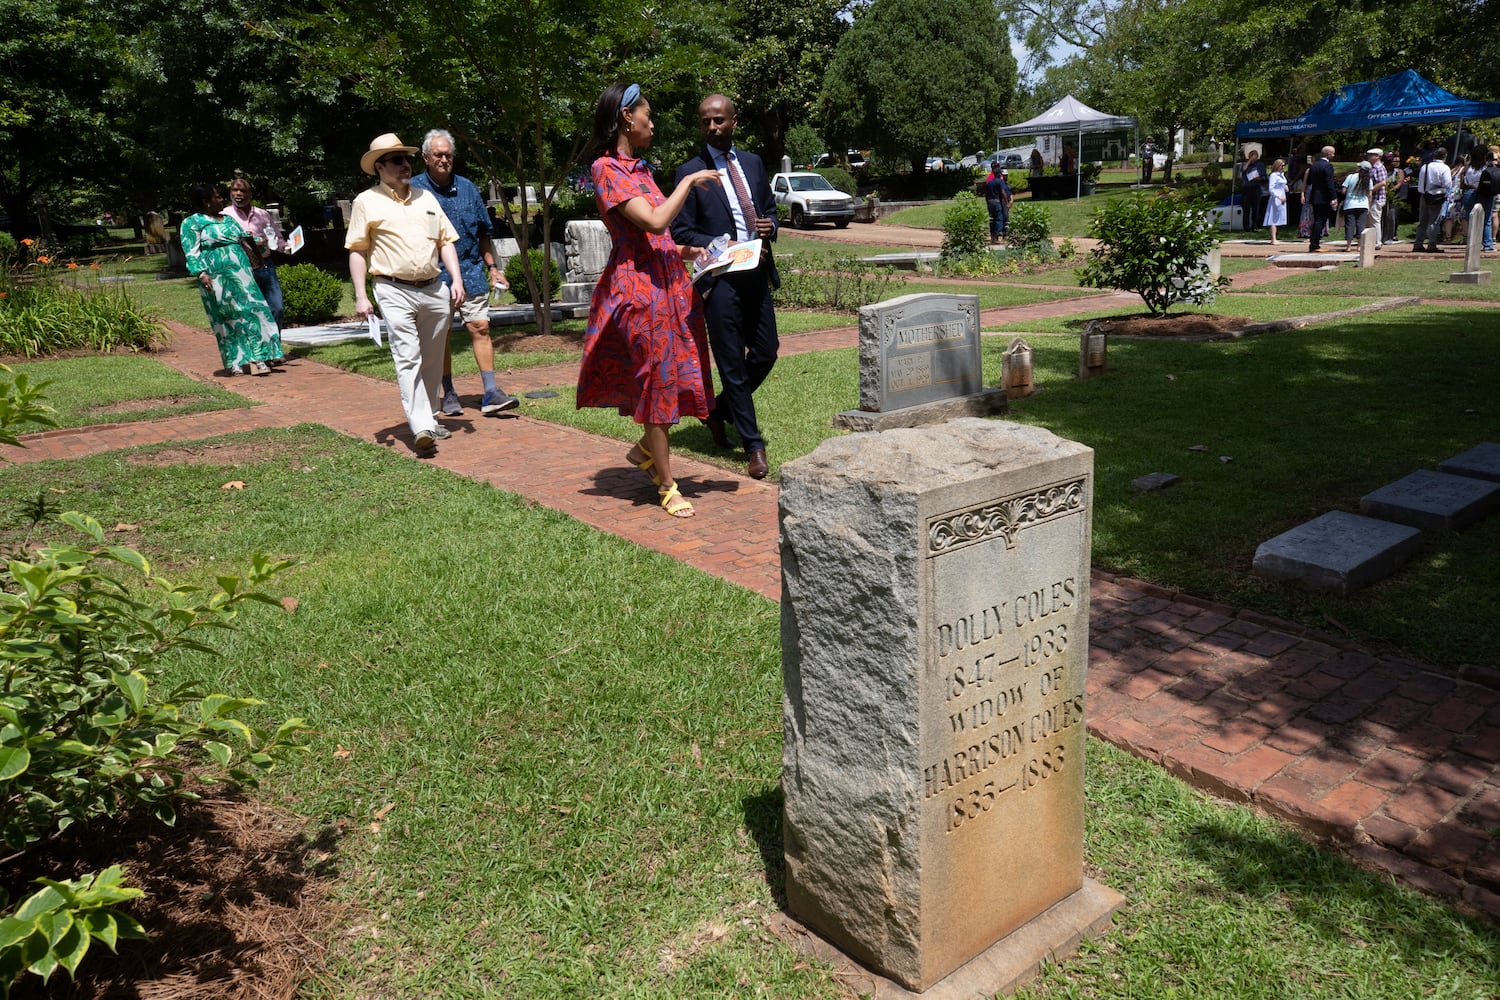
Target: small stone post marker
[
  {"x": 934, "y": 639},
  {"x": 1093, "y": 349},
  {"x": 1017, "y": 375},
  {"x": 1471, "y": 274},
  {"x": 1369, "y": 242}
]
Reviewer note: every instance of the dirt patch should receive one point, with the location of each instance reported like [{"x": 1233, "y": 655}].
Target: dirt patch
[
  {"x": 1174, "y": 325},
  {"x": 149, "y": 403},
  {"x": 213, "y": 454},
  {"x": 515, "y": 342},
  {"x": 236, "y": 903}
]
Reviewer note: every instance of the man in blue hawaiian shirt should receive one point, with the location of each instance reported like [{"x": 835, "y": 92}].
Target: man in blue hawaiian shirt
[{"x": 465, "y": 208}]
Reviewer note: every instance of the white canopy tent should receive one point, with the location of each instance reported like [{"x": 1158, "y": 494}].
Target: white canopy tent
[{"x": 1070, "y": 115}]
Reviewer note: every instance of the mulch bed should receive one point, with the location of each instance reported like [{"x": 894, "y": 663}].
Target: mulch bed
[
  {"x": 236, "y": 903},
  {"x": 1174, "y": 325}
]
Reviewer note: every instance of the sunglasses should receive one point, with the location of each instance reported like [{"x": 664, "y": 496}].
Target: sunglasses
[{"x": 390, "y": 161}]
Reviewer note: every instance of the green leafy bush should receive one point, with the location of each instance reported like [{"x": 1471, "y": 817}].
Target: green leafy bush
[
  {"x": 1029, "y": 229},
  {"x": 516, "y": 276},
  {"x": 309, "y": 293},
  {"x": 84, "y": 735},
  {"x": 841, "y": 179},
  {"x": 834, "y": 284},
  {"x": 966, "y": 227},
  {"x": 1156, "y": 247},
  {"x": 9, "y": 249}
]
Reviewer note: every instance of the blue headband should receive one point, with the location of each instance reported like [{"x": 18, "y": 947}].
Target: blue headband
[{"x": 632, "y": 94}]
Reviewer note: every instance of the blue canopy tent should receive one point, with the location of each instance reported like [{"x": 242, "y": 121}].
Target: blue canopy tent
[{"x": 1405, "y": 98}]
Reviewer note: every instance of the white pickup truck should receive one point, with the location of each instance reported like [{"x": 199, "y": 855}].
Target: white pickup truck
[{"x": 810, "y": 198}]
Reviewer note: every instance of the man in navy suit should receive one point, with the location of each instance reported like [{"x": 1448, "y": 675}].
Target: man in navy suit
[
  {"x": 737, "y": 307},
  {"x": 1322, "y": 195}
]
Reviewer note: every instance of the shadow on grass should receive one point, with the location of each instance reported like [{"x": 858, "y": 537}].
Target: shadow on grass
[
  {"x": 763, "y": 821},
  {"x": 1331, "y": 897}
]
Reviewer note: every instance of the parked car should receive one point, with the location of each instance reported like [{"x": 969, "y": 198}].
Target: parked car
[
  {"x": 810, "y": 198},
  {"x": 856, "y": 160},
  {"x": 1014, "y": 162},
  {"x": 941, "y": 164},
  {"x": 980, "y": 158}
]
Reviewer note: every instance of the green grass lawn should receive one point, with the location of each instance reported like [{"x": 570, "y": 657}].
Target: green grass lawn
[
  {"x": 1398, "y": 276},
  {"x": 1311, "y": 419},
  {"x": 547, "y": 761},
  {"x": 119, "y": 388}
]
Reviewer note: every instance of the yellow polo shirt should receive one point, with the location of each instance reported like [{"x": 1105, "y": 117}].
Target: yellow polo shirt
[{"x": 402, "y": 238}]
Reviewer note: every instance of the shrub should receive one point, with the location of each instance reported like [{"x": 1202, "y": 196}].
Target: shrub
[
  {"x": 841, "y": 179},
  {"x": 1029, "y": 229},
  {"x": 966, "y": 227},
  {"x": 83, "y": 733},
  {"x": 1155, "y": 247},
  {"x": 41, "y": 314},
  {"x": 1212, "y": 171},
  {"x": 309, "y": 293},
  {"x": 9, "y": 249},
  {"x": 835, "y": 284},
  {"x": 516, "y": 276}
]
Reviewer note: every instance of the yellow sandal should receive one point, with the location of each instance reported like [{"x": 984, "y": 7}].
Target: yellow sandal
[
  {"x": 648, "y": 466},
  {"x": 675, "y": 503}
]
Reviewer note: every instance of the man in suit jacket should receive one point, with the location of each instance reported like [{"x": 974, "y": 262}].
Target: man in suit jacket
[
  {"x": 737, "y": 307},
  {"x": 1321, "y": 194}
]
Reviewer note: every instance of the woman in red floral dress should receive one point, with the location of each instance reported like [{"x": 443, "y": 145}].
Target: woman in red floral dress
[{"x": 646, "y": 348}]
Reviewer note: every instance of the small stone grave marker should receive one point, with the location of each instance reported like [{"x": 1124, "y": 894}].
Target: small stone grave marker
[
  {"x": 1016, "y": 371},
  {"x": 1471, "y": 274},
  {"x": 1338, "y": 551},
  {"x": 1435, "y": 501},
  {"x": 1093, "y": 348},
  {"x": 1480, "y": 462}
]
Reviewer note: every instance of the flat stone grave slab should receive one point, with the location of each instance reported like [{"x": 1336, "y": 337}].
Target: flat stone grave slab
[
  {"x": 909, "y": 261},
  {"x": 1153, "y": 481},
  {"x": 1338, "y": 551},
  {"x": 1434, "y": 501},
  {"x": 1480, "y": 462}
]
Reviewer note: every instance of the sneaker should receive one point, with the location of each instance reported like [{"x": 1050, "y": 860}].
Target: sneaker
[
  {"x": 451, "y": 406},
  {"x": 441, "y": 433},
  {"x": 425, "y": 440},
  {"x": 498, "y": 402}
]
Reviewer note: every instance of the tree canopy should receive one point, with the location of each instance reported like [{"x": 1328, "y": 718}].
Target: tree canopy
[{"x": 913, "y": 76}]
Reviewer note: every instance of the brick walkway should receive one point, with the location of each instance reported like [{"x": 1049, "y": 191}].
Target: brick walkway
[{"x": 1399, "y": 764}]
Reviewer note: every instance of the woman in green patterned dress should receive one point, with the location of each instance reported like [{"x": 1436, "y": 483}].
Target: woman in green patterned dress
[{"x": 237, "y": 311}]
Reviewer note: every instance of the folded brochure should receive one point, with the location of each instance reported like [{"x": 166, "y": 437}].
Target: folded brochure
[{"x": 740, "y": 257}]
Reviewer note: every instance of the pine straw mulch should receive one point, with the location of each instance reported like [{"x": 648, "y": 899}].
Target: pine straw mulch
[
  {"x": 1200, "y": 325},
  {"x": 237, "y": 903}
]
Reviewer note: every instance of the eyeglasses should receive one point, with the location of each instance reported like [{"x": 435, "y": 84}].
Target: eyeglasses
[
  {"x": 439, "y": 156},
  {"x": 391, "y": 161}
]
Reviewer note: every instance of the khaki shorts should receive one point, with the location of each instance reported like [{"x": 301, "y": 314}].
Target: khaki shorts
[{"x": 476, "y": 309}]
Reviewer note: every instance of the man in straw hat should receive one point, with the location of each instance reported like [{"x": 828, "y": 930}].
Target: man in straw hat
[{"x": 401, "y": 237}]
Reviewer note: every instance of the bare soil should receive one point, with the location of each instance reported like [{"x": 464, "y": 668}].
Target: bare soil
[
  {"x": 213, "y": 454},
  {"x": 237, "y": 903},
  {"x": 514, "y": 342},
  {"x": 147, "y": 403},
  {"x": 1174, "y": 325}
]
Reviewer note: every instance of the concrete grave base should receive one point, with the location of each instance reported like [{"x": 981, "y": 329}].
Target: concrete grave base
[
  {"x": 985, "y": 403},
  {"x": 1469, "y": 278},
  {"x": 1434, "y": 501},
  {"x": 1480, "y": 462},
  {"x": 1003, "y": 967},
  {"x": 1340, "y": 552}
]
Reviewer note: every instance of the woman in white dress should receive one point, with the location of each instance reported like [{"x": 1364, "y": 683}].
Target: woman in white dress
[{"x": 1276, "y": 187}]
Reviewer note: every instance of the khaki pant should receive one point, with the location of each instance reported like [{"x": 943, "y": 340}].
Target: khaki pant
[{"x": 417, "y": 321}]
